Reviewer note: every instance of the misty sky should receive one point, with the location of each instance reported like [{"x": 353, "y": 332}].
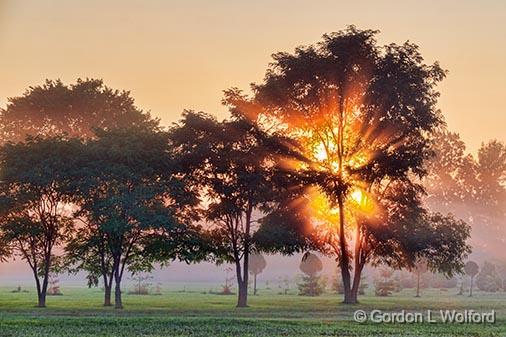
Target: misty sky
[{"x": 176, "y": 55}]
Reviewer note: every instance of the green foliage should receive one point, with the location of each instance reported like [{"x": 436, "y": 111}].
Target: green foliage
[
  {"x": 230, "y": 164},
  {"x": 35, "y": 201},
  {"x": 136, "y": 211},
  {"x": 385, "y": 284},
  {"x": 311, "y": 93},
  {"x": 311, "y": 285},
  {"x": 76, "y": 110}
]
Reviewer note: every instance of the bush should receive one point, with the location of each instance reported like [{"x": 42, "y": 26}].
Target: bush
[
  {"x": 311, "y": 285},
  {"x": 384, "y": 283}
]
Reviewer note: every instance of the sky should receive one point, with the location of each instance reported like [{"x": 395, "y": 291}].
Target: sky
[{"x": 176, "y": 55}]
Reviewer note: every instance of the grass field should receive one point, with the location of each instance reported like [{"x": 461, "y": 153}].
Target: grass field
[{"x": 196, "y": 313}]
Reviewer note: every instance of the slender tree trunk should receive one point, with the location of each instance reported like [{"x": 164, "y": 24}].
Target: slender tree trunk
[
  {"x": 242, "y": 300},
  {"x": 118, "y": 304},
  {"x": 41, "y": 295},
  {"x": 344, "y": 261},
  {"x": 471, "y": 289},
  {"x": 358, "y": 267},
  {"x": 357, "y": 275},
  {"x": 417, "y": 285},
  {"x": 107, "y": 291},
  {"x": 255, "y": 284},
  {"x": 108, "y": 278},
  {"x": 42, "y": 289}
]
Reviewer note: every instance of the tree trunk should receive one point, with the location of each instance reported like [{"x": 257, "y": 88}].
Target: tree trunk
[
  {"x": 107, "y": 295},
  {"x": 255, "y": 284},
  {"x": 344, "y": 261},
  {"x": 118, "y": 304},
  {"x": 43, "y": 293},
  {"x": 417, "y": 285},
  {"x": 242, "y": 282},
  {"x": 242, "y": 287},
  {"x": 41, "y": 300},
  {"x": 42, "y": 289},
  {"x": 357, "y": 275},
  {"x": 471, "y": 289},
  {"x": 242, "y": 299}
]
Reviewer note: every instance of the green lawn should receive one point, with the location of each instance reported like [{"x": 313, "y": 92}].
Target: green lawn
[{"x": 195, "y": 313}]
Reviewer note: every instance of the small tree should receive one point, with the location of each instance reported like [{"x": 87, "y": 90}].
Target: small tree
[
  {"x": 487, "y": 279},
  {"x": 311, "y": 284},
  {"x": 257, "y": 264},
  {"x": 384, "y": 283},
  {"x": 35, "y": 209},
  {"x": 229, "y": 282},
  {"x": 471, "y": 268},
  {"x": 54, "y": 285},
  {"x": 231, "y": 164},
  {"x": 284, "y": 285},
  {"x": 141, "y": 284}
]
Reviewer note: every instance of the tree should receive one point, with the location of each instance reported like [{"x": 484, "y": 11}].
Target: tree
[
  {"x": 487, "y": 279},
  {"x": 361, "y": 115},
  {"x": 55, "y": 108},
  {"x": 133, "y": 207},
  {"x": 5, "y": 252},
  {"x": 311, "y": 266},
  {"x": 492, "y": 176},
  {"x": 452, "y": 174},
  {"x": 384, "y": 283},
  {"x": 471, "y": 268},
  {"x": 257, "y": 264},
  {"x": 141, "y": 284},
  {"x": 471, "y": 187},
  {"x": 230, "y": 163},
  {"x": 35, "y": 209},
  {"x": 420, "y": 268}
]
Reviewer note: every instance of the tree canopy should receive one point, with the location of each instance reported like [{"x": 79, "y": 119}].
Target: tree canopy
[
  {"x": 134, "y": 208},
  {"x": 362, "y": 115},
  {"x": 55, "y": 108},
  {"x": 35, "y": 202}
]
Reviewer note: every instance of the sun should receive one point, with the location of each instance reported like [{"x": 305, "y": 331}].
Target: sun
[{"x": 357, "y": 196}]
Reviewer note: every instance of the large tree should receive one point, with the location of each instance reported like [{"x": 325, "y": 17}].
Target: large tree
[
  {"x": 132, "y": 206},
  {"x": 55, "y": 108},
  {"x": 362, "y": 114},
  {"x": 35, "y": 209},
  {"x": 231, "y": 163}
]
